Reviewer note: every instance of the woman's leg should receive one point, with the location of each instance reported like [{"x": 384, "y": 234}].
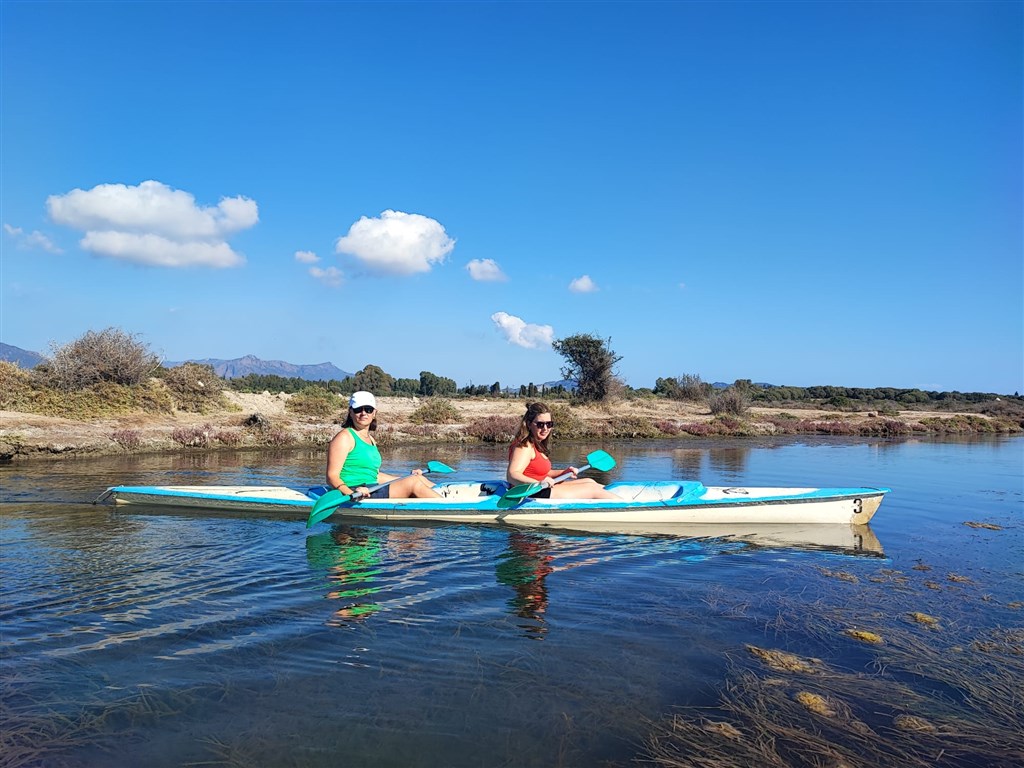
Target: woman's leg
[
  {"x": 413, "y": 486},
  {"x": 583, "y": 488}
]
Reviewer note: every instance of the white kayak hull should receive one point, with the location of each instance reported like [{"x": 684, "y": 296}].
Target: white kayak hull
[{"x": 657, "y": 502}]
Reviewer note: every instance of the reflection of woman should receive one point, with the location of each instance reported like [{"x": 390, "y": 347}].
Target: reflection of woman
[
  {"x": 353, "y": 460},
  {"x": 528, "y": 461},
  {"x": 524, "y": 567},
  {"x": 350, "y": 556}
]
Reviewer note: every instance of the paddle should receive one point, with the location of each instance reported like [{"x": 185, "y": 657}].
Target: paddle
[
  {"x": 333, "y": 499},
  {"x": 599, "y": 460}
]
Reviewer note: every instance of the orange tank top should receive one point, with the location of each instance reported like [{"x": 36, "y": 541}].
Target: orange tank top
[{"x": 539, "y": 465}]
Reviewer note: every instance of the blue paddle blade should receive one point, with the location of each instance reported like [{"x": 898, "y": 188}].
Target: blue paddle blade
[
  {"x": 601, "y": 461},
  {"x": 325, "y": 506},
  {"x": 439, "y": 467}
]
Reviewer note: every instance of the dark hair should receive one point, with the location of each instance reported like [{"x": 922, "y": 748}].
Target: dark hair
[
  {"x": 533, "y": 410},
  {"x": 349, "y": 423}
]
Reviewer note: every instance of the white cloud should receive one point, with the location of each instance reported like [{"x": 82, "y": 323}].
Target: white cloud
[
  {"x": 34, "y": 240},
  {"x": 157, "y": 251},
  {"x": 523, "y": 334},
  {"x": 397, "y": 243},
  {"x": 332, "y": 276},
  {"x": 306, "y": 257},
  {"x": 154, "y": 224},
  {"x": 583, "y": 284},
  {"x": 485, "y": 270}
]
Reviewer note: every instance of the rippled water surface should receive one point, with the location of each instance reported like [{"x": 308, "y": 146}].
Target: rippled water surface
[{"x": 175, "y": 639}]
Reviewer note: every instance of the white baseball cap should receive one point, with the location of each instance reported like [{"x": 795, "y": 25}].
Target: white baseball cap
[{"x": 359, "y": 399}]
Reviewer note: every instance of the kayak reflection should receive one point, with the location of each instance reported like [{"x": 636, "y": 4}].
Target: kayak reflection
[
  {"x": 524, "y": 566},
  {"x": 350, "y": 558}
]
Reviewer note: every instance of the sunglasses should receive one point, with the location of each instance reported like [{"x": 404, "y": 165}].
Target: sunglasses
[
  {"x": 544, "y": 424},
  {"x": 364, "y": 409}
]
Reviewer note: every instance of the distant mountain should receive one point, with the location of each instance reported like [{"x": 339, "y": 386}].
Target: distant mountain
[
  {"x": 22, "y": 357},
  {"x": 725, "y": 385},
  {"x": 243, "y": 366},
  {"x": 568, "y": 385}
]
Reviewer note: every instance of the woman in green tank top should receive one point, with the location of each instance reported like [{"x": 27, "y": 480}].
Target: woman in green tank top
[{"x": 353, "y": 460}]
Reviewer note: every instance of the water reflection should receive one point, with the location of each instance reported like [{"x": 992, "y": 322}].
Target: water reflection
[
  {"x": 731, "y": 461},
  {"x": 524, "y": 566},
  {"x": 686, "y": 463},
  {"x": 351, "y": 557}
]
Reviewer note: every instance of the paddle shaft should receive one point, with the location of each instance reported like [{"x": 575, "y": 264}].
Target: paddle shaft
[
  {"x": 567, "y": 475},
  {"x": 528, "y": 489}
]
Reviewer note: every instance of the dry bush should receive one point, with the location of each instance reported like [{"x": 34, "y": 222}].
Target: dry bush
[
  {"x": 729, "y": 401},
  {"x": 278, "y": 437},
  {"x": 436, "y": 410},
  {"x": 195, "y": 388},
  {"x": 129, "y": 439},
  {"x": 385, "y": 437},
  {"x": 701, "y": 428},
  {"x": 193, "y": 437},
  {"x": 229, "y": 437},
  {"x": 668, "y": 427},
  {"x": 314, "y": 401},
  {"x": 110, "y": 355},
  {"x": 496, "y": 429}
]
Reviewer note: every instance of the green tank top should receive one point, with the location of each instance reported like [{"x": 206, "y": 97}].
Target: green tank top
[{"x": 362, "y": 463}]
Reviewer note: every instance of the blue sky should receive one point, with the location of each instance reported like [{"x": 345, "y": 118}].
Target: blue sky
[{"x": 797, "y": 193}]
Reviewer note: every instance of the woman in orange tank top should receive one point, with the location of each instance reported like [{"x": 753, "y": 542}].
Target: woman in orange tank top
[{"x": 529, "y": 461}]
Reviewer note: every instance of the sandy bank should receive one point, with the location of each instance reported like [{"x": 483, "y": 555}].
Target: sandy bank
[{"x": 262, "y": 419}]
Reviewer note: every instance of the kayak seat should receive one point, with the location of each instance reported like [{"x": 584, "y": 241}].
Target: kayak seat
[{"x": 654, "y": 491}]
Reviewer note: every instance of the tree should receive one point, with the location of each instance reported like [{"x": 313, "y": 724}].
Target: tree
[
  {"x": 496, "y": 388},
  {"x": 407, "y": 386},
  {"x": 373, "y": 379},
  {"x": 590, "y": 363},
  {"x": 432, "y": 385}
]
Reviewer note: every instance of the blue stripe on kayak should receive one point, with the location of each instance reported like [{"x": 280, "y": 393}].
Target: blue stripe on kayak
[{"x": 154, "y": 491}]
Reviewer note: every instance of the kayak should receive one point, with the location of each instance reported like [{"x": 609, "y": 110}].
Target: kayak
[{"x": 653, "y": 502}]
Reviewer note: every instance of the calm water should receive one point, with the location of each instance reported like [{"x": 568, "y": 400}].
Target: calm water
[{"x": 168, "y": 640}]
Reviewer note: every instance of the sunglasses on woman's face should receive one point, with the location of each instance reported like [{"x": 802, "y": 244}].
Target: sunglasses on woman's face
[
  {"x": 544, "y": 424},
  {"x": 364, "y": 409}
]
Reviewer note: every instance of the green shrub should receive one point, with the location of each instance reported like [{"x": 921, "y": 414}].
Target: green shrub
[
  {"x": 631, "y": 427},
  {"x": 15, "y": 387},
  {"x": 436, "y": 410},
  {"x": 568, "y": 426},
  {"x": 314, "y": 401},
  {"x": 195, "y": 388}
]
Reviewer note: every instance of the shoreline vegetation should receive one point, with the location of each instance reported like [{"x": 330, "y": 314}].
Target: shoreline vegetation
[
  {"x": 106, "y": 393},
  {"x": 266, "y": 420}
]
